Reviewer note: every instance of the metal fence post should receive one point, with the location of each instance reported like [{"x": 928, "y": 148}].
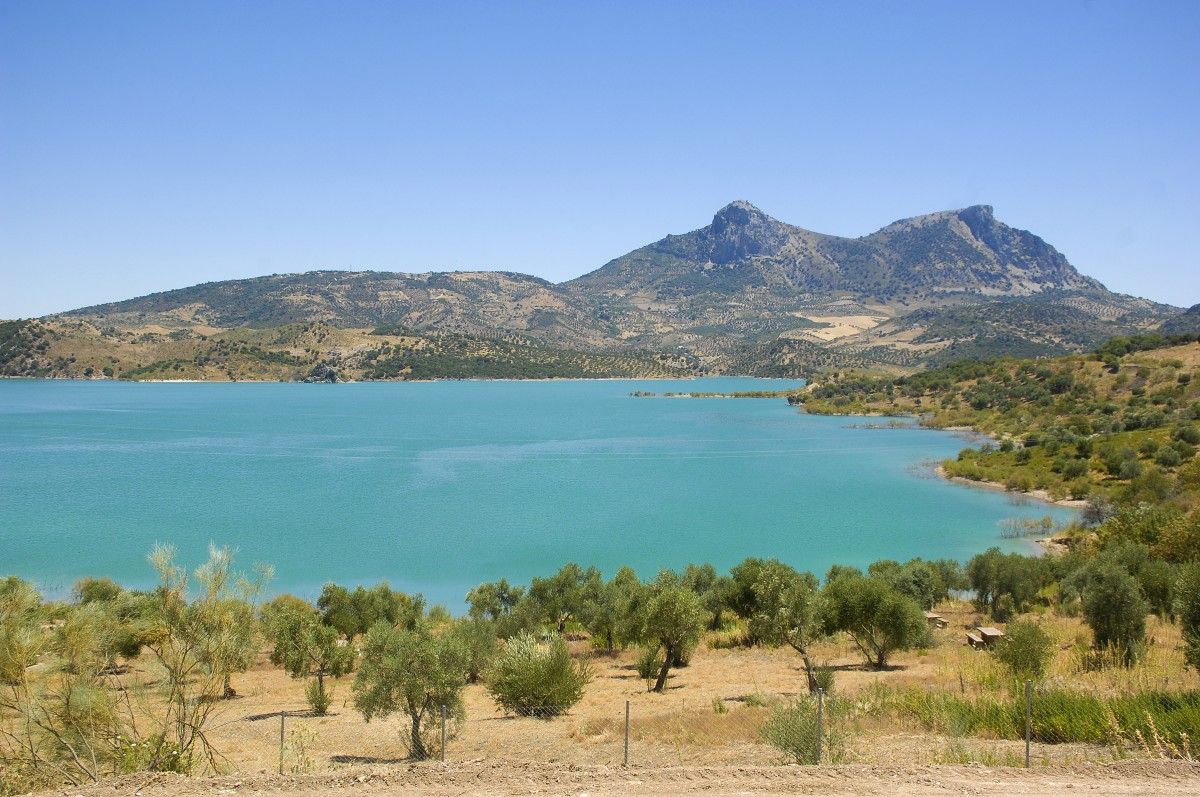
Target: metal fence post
[
  {"x": 1028, "y": 718},
  {"x": 627, "y": 734},
  {"x": 820, "y": 720},
  {"x": 443, "y": 733},
  {"x": 282, "y": 733}
]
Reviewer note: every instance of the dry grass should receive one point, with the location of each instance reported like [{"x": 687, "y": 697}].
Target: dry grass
[{"x": 683, "y": 727}]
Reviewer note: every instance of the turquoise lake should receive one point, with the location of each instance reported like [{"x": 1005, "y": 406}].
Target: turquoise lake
[{"x": 439, "y": 486}]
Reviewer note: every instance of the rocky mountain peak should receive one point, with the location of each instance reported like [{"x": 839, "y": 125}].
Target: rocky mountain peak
[{"x": 741, "y": 230}]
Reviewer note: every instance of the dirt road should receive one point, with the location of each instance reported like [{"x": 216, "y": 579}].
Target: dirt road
[{"x": 1161, "y": 779}]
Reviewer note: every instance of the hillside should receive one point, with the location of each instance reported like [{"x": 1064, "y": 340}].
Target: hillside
[
  {"x": 1184, "y": 323},
  {"x": 1120, "y": 424},
  {"x": 746, "y": 294}
]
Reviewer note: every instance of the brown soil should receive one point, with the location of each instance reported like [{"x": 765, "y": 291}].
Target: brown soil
[{"x": 1162, "y": 779}]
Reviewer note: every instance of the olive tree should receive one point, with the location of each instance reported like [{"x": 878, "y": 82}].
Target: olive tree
[
  {"x": 414, "y": 671},
  {"x": 1116, "y": 611},
  {"x": 674, "y": 619},
  {"x": 788, "y": 612},
  {"x": 877, "y": 617},
  {"x": 303, "y": 645}
]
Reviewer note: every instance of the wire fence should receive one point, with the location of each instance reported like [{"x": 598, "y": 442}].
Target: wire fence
[{"x": 1027, "y": 725}]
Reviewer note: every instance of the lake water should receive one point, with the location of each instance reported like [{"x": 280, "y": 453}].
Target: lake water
[{"x": 437, "y": 487}]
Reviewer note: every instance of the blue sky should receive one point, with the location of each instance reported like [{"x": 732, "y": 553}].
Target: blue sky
[{"x": 150, "y": 146}]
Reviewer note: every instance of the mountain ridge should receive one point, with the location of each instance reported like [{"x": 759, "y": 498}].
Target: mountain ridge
[{"x": 745, "y": 294}]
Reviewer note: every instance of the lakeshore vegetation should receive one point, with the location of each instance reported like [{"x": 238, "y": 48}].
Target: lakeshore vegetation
[{"x": 116, "y": 680}]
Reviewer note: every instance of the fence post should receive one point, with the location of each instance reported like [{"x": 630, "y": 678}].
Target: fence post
[
  {"x": 443, "y": 733},
  {"x": 626, "y": 734},
  {"x": 282, "y": 732},
  {"x": 820, "y": 720},
  {"x": 1028, "y": 718}
]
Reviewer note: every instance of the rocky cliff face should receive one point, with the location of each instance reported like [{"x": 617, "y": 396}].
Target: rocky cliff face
[{"x": 966, "y": 251}]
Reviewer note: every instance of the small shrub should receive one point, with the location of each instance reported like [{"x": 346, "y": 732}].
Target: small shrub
[
  {"x": 1026, "y": 650},
  {"x": 319, "y": 698},
  {"x": 756, "y": 700},
  {"x": 535, "y": 678},
  {"x": 825, "y": 678},
  {"x": 792, "y": 729},
  {"x": 648, "y": 663}
]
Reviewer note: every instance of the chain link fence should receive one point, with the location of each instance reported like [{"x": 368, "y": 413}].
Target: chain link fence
[{"x": 1026, "y": 725}]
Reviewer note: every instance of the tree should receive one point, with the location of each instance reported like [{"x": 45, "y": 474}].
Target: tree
[
  {"x": 197, "y": 645},
  {"x": 918, "y": 579},
  {"x": 494, "y": 600},
  {"x": 789, "y": 613},
  {"x": 21, "y": 637},
  {"x": 560, "y": 597},
  {"x": 304, "y": 646},
  {"x": 1187, "y": 608},
  {"x": 1115, "y": 609},
  {"x": 352, "y": 613},
  {"x": 415, "y": 672},
  {"x": 67, "y": 721},
  {"x": 478, "y": 638},
  {"x": 1005, "y": 583},
  {"x": 878, "y": 618},
  {"x": 674, "y": 619},
  {"x": 608, "y": 611},
  {"x": 537, "y": 678}
]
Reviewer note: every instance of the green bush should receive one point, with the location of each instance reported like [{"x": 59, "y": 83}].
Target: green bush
[
  {"x": 319, "y": 698},
  {"x": 1025, "y": 649},
  {"x": 648, "y": 663},
  {"x": 792, "y": 729},
  {"x": 532, "y": 678}
]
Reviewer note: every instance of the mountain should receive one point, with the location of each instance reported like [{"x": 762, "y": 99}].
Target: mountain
[
  {"x": 746, "y": 294},
  {"x": 745, "y": 249},
  {"x": 1187, "y": 322},
  {"x": 921, "y": 290},
  {"x": 471, "y": 303}
]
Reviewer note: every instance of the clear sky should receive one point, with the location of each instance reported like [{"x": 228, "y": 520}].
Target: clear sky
[{"x": 146, "y": 146}]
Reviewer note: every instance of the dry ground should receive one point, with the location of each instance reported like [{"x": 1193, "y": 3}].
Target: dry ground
[
  {"x": 709, "y": 716},
  {"x": 1162, "y": 779}
]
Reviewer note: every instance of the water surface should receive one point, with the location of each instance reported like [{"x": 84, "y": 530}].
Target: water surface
[{"x": 439, "y": 486}]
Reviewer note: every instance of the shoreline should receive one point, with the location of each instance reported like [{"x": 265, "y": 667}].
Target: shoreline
[
  {"x": 1040, "y": 495},
  {"x": 1053, "y": 545}
]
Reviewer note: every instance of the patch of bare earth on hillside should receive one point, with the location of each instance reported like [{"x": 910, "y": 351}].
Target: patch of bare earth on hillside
[{"x": 1160, "y": 778}]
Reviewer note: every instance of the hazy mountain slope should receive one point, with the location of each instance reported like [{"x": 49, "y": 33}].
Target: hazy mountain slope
[
  {"x": 1184, "y": 323},
  {"x": 462, "y": 302}
]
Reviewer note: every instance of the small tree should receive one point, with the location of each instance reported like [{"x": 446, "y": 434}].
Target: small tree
[
  {"x": 674, "y": 619},
  {"x": 788, "y": 613},
  {"x": 878, "y": 618},
  {"x": 1115, "y": 609},
  {"x": 535, "y": 678},
  {"x": 415, "y": 672},
  {"x": 1025, "y": 649},
  {"x": 197, "y": 645},
  {"x": 304, "y": 646},
  {"x": 561, "y": 597},
  {"x": 478, "y": 637},
  {"x": 1187, "y": 608}
]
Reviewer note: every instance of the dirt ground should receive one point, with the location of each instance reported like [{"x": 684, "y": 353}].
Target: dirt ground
[{"x": 1162, "y": 779}]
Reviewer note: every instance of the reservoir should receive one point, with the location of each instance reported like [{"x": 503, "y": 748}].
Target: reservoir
[{"x": 436, "y": 487}]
